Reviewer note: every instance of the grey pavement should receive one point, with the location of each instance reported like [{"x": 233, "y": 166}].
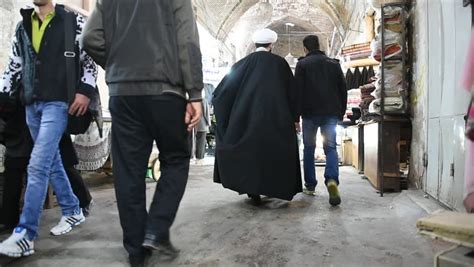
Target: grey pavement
[{"x": 217, "y": 227}]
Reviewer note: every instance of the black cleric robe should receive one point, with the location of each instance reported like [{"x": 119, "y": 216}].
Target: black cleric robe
[{"x": 256, "y": 143}]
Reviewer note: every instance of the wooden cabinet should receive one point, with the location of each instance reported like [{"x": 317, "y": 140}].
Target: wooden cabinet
[
  {"x": 394, "y": 152},
  {"x": 356, "y": 135}
]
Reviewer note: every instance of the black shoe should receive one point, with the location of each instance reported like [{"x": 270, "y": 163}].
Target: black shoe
[
  {"x": 137, "y": 264},
  {"x": 87, "y": 209},
  {"x": 139, "y": 260},
  {"x": 165, "y": 249},
  {"x": 255, "y": 198}
]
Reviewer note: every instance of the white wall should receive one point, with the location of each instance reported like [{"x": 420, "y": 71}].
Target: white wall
[{"x": 441, "y": 32}]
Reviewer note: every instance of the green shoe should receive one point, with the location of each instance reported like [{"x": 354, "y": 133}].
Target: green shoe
[
  {"x": 309, "y": 192},
  {"x": 334, "y": 197}
]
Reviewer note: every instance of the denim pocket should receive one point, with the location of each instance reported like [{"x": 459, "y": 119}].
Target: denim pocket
[{"x": 59, "y": 104}]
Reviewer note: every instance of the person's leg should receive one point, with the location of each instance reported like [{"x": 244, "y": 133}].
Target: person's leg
[
  {"x": 79, "y": 188},
  {"x": 69, "y": 159},
  {"x": 331, "y": 175},
  {"x": 200, "y": 145},
  {"x": 15, "y": 169},
  {"x": 310, "y": 130},
  {"x": 169, "y": 130},
  {"x": 47, "y": 122},
  {"x": 328, "y": 131},
  {"x": 131, "y": 148}
]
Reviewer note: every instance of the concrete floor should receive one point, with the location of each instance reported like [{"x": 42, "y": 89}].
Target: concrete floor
[{"x": 217, "y": 227}]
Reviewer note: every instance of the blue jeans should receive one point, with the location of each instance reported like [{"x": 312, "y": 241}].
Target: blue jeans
[
  {"x": 47, "y": 122},
  {"x": 328, "y": 131}
]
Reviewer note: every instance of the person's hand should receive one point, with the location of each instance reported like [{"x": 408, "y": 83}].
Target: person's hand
[
  {"x": 193, "y": 114},
  {"x": 469, "y": 203},
  {"x": 79, "y": 106},
  {"x": 298, "y": 127}
]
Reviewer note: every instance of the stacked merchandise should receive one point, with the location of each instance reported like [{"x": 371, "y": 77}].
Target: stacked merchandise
[
  {"x": 352, "y": 111},
  {"x": 395, "y": 89},
  {"x": 357, "y": 51},
  {"x": 366, "y": 99}
]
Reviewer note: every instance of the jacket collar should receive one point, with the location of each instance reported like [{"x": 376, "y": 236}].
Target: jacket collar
[
  {"x": 27, "y": 11},
  {"x": 316, "y": 53}
]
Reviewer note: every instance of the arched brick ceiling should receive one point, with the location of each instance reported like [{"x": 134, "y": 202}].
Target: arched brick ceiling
[{"x": 226, "y": 18}]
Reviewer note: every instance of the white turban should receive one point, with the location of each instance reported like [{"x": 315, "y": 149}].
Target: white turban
[{"x": 265, "y": 36}]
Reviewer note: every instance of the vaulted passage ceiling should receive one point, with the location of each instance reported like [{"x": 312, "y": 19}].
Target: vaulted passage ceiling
[{"x": 235, "y": 21}]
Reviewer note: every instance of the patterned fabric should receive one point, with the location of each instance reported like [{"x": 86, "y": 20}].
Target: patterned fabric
[
  {"x": 2, "y": 158},
  {"x": 89, "y": 68},
  {"x": 12, "y": 75},
  {"x": 93, "y": 150}
]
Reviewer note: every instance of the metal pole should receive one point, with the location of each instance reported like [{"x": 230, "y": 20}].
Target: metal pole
[{"x": 381, "y": 177}]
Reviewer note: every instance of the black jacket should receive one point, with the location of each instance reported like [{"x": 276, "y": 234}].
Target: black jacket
[
  {"x": 146, "y": 42},
  {"x": 16, "y": 135},
  {"x": 321, "y": 85},
  {"x": 43, "y": 74}
]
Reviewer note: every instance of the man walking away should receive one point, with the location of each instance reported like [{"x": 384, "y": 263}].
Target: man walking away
[
  {"x": 150, "y": 51},
  {"x": 323, "y": 101},
  {"x": 256, "y": 144}
]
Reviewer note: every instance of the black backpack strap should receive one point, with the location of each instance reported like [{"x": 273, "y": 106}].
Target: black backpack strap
[{"x": 70, "y": 54}]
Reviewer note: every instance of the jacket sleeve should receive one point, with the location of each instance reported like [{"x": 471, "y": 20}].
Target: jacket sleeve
[
  {"x": 11, "y": 77},
  {"x": 88, "y": 72},
  {"x": 342, "y": 87},
  {"x": 93, "y": 36},
  {"x": 292, "y": 95},
  {"x": 299, "y": 87},
  {"x": 190, "y": 58}
]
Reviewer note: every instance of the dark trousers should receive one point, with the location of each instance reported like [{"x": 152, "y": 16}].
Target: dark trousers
[
  {"x": 137, "y": 121},
  {"x": 199, "y": 144},
  {"x": 15, "y": 171},
  {"x": 78, "y": 186},
  {"x": 69, "y": 158}
]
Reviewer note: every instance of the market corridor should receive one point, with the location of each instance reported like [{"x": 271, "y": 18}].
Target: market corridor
[{"x": 216, "y": 227}]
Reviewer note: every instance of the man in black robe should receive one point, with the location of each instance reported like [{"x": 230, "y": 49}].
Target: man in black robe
[{"x": 256, "y": 143}]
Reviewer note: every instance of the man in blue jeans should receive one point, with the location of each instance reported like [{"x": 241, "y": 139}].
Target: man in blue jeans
[
  {"x": 38, "y": 61},
  {"x": 323, "y": 102}
]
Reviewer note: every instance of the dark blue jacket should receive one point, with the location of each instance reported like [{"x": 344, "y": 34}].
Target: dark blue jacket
[{"x": 321, "y": 85}]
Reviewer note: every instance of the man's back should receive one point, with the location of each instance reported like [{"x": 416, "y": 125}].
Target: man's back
[
  {"x": 140, "y": 41},
  {"x": 147, "y": 41},
  {"x": 150, "y": 52},
  {"x": 322, "y": 85}
]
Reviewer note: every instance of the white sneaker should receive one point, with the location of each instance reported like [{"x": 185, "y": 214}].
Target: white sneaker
[
  {"x": 17, "y": 245},
  {"x": 66, "y": 224}
]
